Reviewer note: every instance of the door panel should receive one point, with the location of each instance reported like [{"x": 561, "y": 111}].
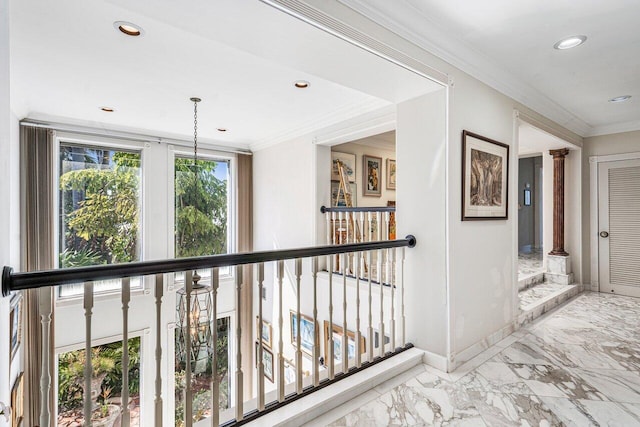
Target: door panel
[{"x": 619, "y": 227}]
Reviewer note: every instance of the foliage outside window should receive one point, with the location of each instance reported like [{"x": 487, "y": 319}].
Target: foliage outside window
[
  {"x": 201, "y": 380},
  {"x": 106, "y": 384},
  {"x": 99, "y": 209}
]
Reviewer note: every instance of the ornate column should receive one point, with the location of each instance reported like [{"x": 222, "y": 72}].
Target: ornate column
[
  {"x": 558, "y": 261},
  {"x": 558, "y": 201}
]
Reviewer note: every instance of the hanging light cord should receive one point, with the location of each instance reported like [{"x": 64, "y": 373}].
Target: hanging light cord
[{"x": 196, "y": 276}]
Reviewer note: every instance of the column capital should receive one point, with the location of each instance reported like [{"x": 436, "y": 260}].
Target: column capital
[{"x": 560, "y": 153}]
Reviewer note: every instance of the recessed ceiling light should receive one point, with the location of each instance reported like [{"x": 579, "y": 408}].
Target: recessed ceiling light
[
  {"x": 302, "y": 84},
  {"x": 107, "y": 109},
  {"x": 128, "y": 28},
  {"x": 620, "y": 98},
  {"x": 569, "y": 42},
  {"x": 222, "y": 130}
]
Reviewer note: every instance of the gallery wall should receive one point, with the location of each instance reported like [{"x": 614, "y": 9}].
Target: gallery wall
[{"x": 362, "y": 147}]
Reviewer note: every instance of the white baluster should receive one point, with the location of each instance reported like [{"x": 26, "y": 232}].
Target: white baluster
[
  {"x": 370, "y": 330},
  {"x": 159, "y": 289},
  {"x": 280, "y": 334},
  {"x": 329, "y": 339},
  {"x": 188, "y": 392},
  {"x": 298, "y": 263},
  {"x": 239, "y": 374},
  {"x": 381, "y": 324},
  {"x": 345, "y": 337},
  {"x": 327, "y": 217},
  {"x": 404, "y": 326},
  {"x": 215, "y": 384},
  {"x": 358, "y": 333},
  {"x": 316, "y": 335},
  {"x": 260, "y": 326},
  {"x": 46, "y": 308},
  {"x": 88, "y": 369},
  {"x": 126, "y": 297},
  {"x": 393, "y": 302}
]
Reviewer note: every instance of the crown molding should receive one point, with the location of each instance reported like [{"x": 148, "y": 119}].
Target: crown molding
[
  {"x": 436, "y": 41},
  {"x": 363, "y": 126},
  {"x": 322, "y": 122},
  {"x": 615, "y": 128}
]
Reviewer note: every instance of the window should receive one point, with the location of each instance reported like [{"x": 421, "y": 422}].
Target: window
[
  {"x": 99, "y": 210},
  {"x": 201, "y": 208}
]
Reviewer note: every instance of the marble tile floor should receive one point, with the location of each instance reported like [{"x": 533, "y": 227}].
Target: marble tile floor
[
  {"x": 529, "y": 263},
  {"x": 533, "y": 295},
  {"x": 576, "y": 366}
]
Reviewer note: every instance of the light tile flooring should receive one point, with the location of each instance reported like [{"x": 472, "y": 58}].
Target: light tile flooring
[
  {"x": 577, "y": 366},
  {"x": 529, "y": 263},
  {"x": 532, "y": 295}
]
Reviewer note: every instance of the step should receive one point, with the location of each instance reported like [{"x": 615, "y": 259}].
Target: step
[
  {"x": 541, "y": 298},
  {"x": 529, "y": 280},
  {"x": 330, "y": 397}
]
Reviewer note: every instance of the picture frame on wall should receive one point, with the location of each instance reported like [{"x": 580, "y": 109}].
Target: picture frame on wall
[
  {"x": 335, "y": 186},
  {"x": 485, "y": 178},
  {"x": 307, "y": 331},
  {"x": 15, "y": 326},
  {"x": 372, "y": 176},
  {"x": 267, "y": 332},
  {"x": 349, "y": 161},
  {"x": 267, "y": 361},
  {"x": 337, "y": 333},
  {"x": 17, "y": 401},
  {"x": 391, "y": 174}
]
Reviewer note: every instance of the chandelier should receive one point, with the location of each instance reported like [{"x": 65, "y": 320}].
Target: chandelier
[{"x": 197, "y": 307}]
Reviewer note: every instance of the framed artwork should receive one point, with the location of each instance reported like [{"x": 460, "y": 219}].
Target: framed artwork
[
  {"x": 15, "y": 326},
  {"x": 17, "y": 401},
  {"x": 372, "y": 176},
  {"x": 307, "y": 331},
  {"x": 392, "y": 220},
  {"x": 485, "y": 173},
  {"x": 267, "y": 361},
  {"x": 337, "y": 333},
  {"x": 341, "y": 202},
  {"x": 267, "y": 332},
  {"x": 349, "y": 161},
  {"x": 391, "y": 174}
]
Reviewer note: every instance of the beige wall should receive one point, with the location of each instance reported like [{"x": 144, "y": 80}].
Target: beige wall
[{"x": 626, "y": 142}]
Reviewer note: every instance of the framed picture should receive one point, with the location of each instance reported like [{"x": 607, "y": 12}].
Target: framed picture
[
  {"x": 267, "y": 332},
  {"x": 267, "y": 361},
  {"x": 341, "y": 201},
  {"x": 372, "y": 176},
  {"x": 17, "y": 402},
  {"x": 349, "y": 161},
  {"x": 307, "y": 332},
  {"x": 485, "y": 173},
  {"x": 15, "y": 326},
  {"x": 337, "y": 333},
  {"x": 391, "y": 174}
]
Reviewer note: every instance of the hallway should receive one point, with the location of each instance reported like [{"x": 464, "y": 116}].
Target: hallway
[{"x": 579, "y": 365}]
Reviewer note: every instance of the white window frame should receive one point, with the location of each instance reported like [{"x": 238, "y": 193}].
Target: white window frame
[{"x": 63, "y": 138}]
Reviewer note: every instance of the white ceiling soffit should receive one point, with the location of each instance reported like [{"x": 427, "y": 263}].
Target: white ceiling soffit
[
  {"x": 508, "y": 45},
  {"x": 240, "y": 56},
  {"x": 532, "y": 140}
]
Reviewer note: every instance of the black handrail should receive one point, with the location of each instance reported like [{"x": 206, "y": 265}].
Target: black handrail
[
  {"x": 38, "y": 279},
  {"x": 325, "y": 209}
]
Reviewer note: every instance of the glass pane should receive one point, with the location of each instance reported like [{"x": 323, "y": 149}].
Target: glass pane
[
  {"x": 106, "y": 384},
  {"x": 99, "y": 215},
  {"x": 201, "y": 380}
]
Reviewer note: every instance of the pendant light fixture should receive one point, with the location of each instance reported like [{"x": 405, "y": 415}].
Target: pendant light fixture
[{"x": 200, "y": 303}]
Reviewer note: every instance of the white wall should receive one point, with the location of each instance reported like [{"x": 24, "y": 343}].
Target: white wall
[
  {"x": 359, "y": 150},
  {"x": 626, "y": 142}
]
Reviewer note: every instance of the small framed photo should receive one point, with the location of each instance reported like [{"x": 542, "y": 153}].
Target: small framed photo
[
  {"x": 267, "y": 332},
  {"x": 349, "y": 162},
  {"x": 485, "y": 172},
  {"x": 17, "y": 401},
  {"x": 372, "y": 176},
  {"x": 307, "y": 332},
  {"x": 337, "y": 333},
  {"x": 267, "y": 361},
  {"x": 15, "y": 326},
  {"x": 391, "y": 174}
]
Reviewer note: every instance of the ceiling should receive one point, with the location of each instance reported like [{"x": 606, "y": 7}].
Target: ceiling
[
  {"x": 240, "y": 56},
  {"x": 509, "y": 45},
  {"x": 532, "y": 140}
]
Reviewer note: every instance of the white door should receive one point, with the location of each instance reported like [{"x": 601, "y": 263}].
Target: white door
[{"x": 619, "y": 227}]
